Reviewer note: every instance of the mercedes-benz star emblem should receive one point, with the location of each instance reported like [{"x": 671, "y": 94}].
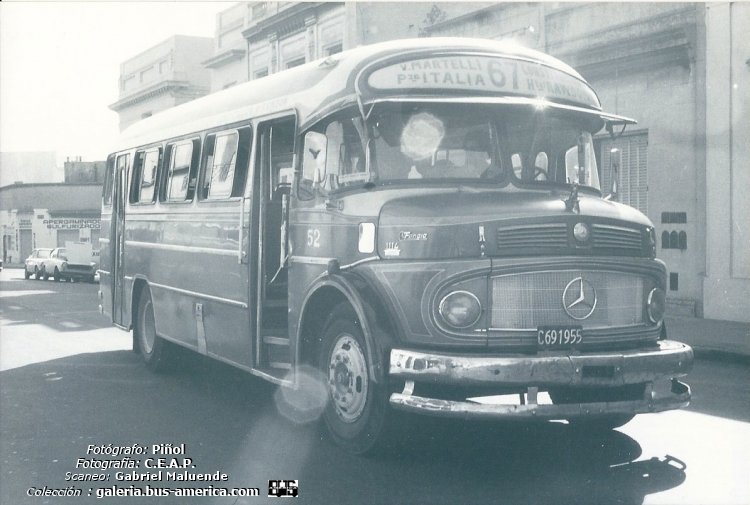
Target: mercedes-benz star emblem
[{"x": 579, "y": 298}]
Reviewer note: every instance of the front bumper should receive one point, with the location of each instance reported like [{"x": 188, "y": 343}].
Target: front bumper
[
  {"x": 530, "y": 373},
  {"x": 77, "y": 272}
]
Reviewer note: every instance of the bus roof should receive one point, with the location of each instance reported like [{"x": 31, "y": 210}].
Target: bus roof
[{"x": 398, "y": 68}]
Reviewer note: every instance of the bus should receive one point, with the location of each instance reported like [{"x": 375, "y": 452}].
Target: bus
[{"x": 420, "y": 222}]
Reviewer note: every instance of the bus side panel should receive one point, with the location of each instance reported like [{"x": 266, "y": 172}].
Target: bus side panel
[{"x": 189, "y": 257}]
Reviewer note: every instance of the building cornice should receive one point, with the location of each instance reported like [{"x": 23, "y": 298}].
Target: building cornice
[
  {"x": 221, "y": 59},
  {"x": 451, "y": 22},
  {"x": 284, "y": 22},
  {"x": 156, "y": 89}
]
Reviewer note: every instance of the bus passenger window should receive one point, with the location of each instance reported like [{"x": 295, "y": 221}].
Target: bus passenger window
[
  {"x": 180, "y": 184},
  {"x": 220, "y": 165},
  {"x": 144, "y": 176},
  {"x": 226, "y": 159}
]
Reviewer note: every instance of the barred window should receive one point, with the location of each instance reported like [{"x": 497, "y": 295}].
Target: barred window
[{"x": 625, "y": 158}]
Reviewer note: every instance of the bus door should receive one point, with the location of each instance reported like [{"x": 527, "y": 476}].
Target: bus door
[
  {"x": 274, "y": 171},
  {"x": 117, "y": 236}
]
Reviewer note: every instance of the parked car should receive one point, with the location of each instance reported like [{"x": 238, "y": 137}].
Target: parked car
[
  {"x": 34, "y": 264},
  {"x": 76, "y": 265}
]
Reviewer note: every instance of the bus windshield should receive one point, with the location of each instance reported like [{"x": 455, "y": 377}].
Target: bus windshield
[{"x": 433, "y": 143}]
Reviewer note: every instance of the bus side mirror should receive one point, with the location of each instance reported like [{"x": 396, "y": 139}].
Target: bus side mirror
[{"x": 613, "y": 176}]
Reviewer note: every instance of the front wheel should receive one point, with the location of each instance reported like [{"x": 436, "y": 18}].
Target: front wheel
[
  {"x": 153, "y": 348},
  {"x": 357, "y": 407},
  {"x": 37, "y": 273},
  {"x": 26, "y": 274},
  {"x": 56, "y": 275}
]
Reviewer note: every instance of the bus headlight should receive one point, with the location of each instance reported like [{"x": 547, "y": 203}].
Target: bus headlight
[
  {"x": 656, "y": 304},
  {"x": 460, "y": 309}
]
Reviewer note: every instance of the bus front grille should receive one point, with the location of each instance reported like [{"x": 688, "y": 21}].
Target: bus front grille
[{"x": 525, "y": 301}]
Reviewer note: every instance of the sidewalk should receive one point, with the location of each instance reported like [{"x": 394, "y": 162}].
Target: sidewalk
[{"x": 711, "y": 337}]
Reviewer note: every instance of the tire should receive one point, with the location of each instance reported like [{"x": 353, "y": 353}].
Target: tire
[
  {"x": 154, "y": 349},
  {"x": 56, "y": 275},
  {"x": 37, "y": 273},
  {"x": 357, "y": 408},
  {"x": 26, "y": 274}
]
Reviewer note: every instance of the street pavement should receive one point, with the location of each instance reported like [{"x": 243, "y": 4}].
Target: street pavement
[{"x": 68, "y": 380}]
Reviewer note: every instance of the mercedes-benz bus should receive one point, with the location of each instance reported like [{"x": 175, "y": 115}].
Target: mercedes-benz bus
[{"x": 420, "y": 221}]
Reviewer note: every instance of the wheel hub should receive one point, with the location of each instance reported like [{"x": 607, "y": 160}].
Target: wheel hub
[{"x": 347, "y": 378}]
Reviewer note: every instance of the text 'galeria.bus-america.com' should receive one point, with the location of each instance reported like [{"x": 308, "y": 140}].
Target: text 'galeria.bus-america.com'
[{"x": 416, "y": 225}]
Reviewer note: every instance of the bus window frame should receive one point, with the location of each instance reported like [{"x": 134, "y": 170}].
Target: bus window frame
[
  {"x": 134, "y": 191},
  {"x": 262, "y": 121},
  {"x": 241, "y": 189},
  {"x": 197, "y": 145},
  {"x": 109, "y": 178}
]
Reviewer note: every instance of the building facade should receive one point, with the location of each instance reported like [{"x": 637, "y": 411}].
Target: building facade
[
  {"x": 48, "y": 215},
  {"x": 726, "y": 286},
  {"x": 168, "y": 74},
  {"x": 679, "y": 69},
  {"x": 255, "y": 39}
]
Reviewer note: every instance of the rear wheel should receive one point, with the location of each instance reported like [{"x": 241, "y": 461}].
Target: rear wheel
[
  {"x": 153, "y": 348},
  {"x": 357, "y": 407},
  {"x": 26, "y": 274},
  {"x": 56, "y": 275},
  {"x": 37, "y": 273}
]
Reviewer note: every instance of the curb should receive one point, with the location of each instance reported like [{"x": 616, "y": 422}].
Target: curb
[{"x": 723, "y": 355}]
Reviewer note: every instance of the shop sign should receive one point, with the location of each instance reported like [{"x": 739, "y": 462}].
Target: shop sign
[{"x": 72, "y": 223}]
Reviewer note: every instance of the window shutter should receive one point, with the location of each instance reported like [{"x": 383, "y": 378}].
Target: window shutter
[{"x": 629, "y": 154}]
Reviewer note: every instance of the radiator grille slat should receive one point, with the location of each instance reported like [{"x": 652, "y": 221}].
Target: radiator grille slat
[
  {"x": 553, "y": 235},
  {"x": 616, "y": 237},
  {"x": 528, "y": 300}
]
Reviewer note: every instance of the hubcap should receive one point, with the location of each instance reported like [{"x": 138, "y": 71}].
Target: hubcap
[
  {"x": 347, "y": 378},
  {"x": 148, "y": 328}
]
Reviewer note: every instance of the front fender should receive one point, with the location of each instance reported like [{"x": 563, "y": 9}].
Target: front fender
[{"x": 373, "y": 315}]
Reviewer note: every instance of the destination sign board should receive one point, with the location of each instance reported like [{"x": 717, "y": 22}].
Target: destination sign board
[{"x": 484, "y": 74}]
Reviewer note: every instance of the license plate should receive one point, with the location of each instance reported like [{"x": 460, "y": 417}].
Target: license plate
[{"x": 559, "y": 337}]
